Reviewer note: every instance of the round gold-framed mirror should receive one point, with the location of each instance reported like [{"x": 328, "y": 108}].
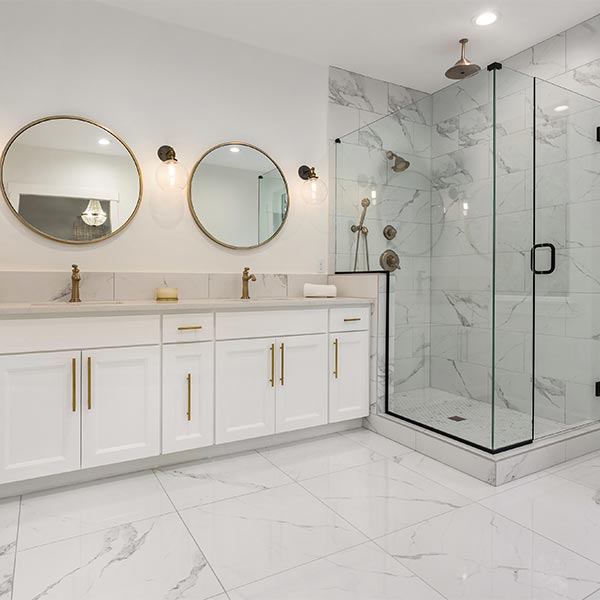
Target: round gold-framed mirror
[
  {"x": 238, "y": 196},
  {"x": 70, "y": 179}
]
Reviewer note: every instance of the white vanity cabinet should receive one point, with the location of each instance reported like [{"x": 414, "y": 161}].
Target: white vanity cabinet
[
  {"x": 188, "y": 396},
  {"x": 245, "y": 389},
  {"x": 121, "y": 405},
  {"x": 302, "y": 384},
  {"x": 349, "y": 364},
  {"x": 39, "y": 414}
]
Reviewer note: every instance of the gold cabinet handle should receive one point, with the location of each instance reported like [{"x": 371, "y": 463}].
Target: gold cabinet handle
[
  {"x": 189, "y": 328},
  {"x": 272, "y": 380},
  {"x": 281, "y": 379},
  {"x": 352, "y": 319},
  {"x": 74, "y": 383},
  {"x": 89, "y": 382},
  {"x": 189, "y": 390},
  {"x": 336, "y": 345}
]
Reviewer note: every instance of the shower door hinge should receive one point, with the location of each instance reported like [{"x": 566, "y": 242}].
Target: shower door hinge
[
  {"x": 597, "y": 389},
  {"x": 598, "y": 134},
  {"x": 495, "y": 66}
]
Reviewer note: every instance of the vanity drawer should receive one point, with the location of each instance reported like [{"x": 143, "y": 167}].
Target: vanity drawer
[
  {"x": 349, "y": 319},
  {"x": 198, "y": 327},
  {"x": 39, "y": 335},
  {"x": 272, "y": 323}
]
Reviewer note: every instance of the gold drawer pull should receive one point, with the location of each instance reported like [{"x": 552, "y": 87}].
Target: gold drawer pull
[
  {"x": 352, "y": 319},
  {"x": 189, "y": 390},
  {"x": 282, "y": 379},
  {"x": 336, "y": 371},
  {"x": 189, "y": 328},
  {"x": 74, "y": 382},
  {"x": 89, "y": 381},
  {"x": 272, "y": 380}
]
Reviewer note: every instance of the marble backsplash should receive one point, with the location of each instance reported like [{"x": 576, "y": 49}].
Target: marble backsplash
[{"x": 48, "y": 286}]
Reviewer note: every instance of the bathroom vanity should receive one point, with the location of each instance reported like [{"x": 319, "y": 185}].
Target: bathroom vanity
[{"x": 89, "y": 385}]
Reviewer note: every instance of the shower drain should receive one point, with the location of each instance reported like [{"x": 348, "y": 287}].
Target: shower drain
[{"x": 457, "y": 418}]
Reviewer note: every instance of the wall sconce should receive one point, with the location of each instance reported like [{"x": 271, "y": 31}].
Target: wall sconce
[
  {"x": 170, "y": 174},
  {"x": 314, "y": 191}
]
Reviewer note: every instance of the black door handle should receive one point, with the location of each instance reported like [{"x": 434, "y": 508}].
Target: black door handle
[{"x": 552, "y": 258}]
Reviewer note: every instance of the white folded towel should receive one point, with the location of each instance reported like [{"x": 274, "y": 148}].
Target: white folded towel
[{"x": 314, "y": 290}]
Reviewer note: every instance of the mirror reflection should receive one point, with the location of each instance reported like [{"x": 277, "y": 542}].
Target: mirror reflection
[
  {"x": 71, "y": 180},
  {"x": 238, "y": 196}
]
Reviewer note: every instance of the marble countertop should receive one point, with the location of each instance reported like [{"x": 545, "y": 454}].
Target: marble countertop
[{"x": 150, "y": 306}]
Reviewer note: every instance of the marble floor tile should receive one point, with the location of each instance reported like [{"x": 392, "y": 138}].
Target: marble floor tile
[
  {"x": 257, "y": 535},
  {"x": 473, "y": 553},
  {"x": 9, "y": 519},
  {"x": 155, "y": 559},
  {"x": 383, "y": 497},
  {"x": 361, "y": 573},
  {"x": 320, "y": 456},
  {"x": 377, "y": 443},
  {"x": 561, "y": 510},
  {"x": 7, "y": 563},
  {"x": 73, "y": 511},
  {"x": 584, "y": 472},
  {"x": 208, "y": 481}
]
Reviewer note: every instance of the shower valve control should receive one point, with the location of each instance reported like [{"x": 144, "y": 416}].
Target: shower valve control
[{"x": 389, "y": 232}]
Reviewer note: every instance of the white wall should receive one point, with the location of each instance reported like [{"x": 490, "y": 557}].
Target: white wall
[{"x": 157, "y": 84}]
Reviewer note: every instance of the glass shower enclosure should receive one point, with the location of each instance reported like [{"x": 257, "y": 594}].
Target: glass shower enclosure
[{"x": 487, "y": 192}]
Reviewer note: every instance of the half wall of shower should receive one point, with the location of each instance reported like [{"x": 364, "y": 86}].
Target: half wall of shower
[{"x": 499, "y": 174}]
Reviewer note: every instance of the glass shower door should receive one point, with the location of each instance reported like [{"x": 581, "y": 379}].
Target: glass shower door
[{"x": 566, "y": 259}]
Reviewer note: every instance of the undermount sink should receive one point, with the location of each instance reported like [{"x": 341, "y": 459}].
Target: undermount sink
[{"x": 82, "y": 303}]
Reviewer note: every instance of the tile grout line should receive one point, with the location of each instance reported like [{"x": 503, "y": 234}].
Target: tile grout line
[
  {"x": 192, "y": 536},
  {"x": 14, "y": 571}
]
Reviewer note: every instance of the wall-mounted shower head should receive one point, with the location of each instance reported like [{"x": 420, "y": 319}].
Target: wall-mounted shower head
[
  {"x": 462, "y": 68},
  {"x": 400, "y": 164}
]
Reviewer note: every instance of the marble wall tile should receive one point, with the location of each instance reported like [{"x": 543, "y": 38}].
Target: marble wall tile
[
  {"x": 583, "y": 43},
  {"x": 584, "y": 80},
  {"x": 545, "y": 60},
  {"x": 461, "y": 97},
  {"x": 581, "y": 403},
  {"x": 444, "y": 137},
  {"x": 400, "y": 96},
  {"x": 342, "y": 122},
  {"x": 581, "y": 132},
  {"x": 142, "y": 286},
  {"x": 351, "y": 89},
  {"x": 362, "y": 164},
  {"x": 463, "y": 379},
  {"x": 583, "y": 315},
  {"x": 419, "y": 112},
  {"x": 229, "y": 285},
  {"x": 476, "y": 126},
  {"x": 470, "y": 236},
  {"x": 38, "y": 286}
]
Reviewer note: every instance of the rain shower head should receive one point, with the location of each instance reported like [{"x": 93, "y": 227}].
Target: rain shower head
[
  {"x": 463, "y": 67},
  {"x": 400, "y": 164}
]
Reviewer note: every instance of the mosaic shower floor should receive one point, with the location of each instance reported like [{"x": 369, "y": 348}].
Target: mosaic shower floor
[{"x": 437, "y": 408}]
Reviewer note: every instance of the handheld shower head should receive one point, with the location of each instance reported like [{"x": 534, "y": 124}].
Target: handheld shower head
[
  {"x": 365, "y": 202},
  {"x": 400, "y": 164}
]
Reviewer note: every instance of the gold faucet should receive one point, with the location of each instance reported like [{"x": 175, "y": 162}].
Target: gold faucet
[
  {"x": 246, "y": 277},
  {"x": 75, "y": 279}
]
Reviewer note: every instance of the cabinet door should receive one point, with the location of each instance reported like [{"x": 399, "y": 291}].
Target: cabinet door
[
  {"x": 349, "y": 376},
  {"x": 188, "y": 396},
  {"x": 39, "y": 415},
  {"x": 121, "y": 405},
  {"x": 245, "y": 389},
  {"x": 301, "y": 399}
]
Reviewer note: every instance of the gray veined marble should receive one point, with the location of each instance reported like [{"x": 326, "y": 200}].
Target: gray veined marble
[
  {"x": 545, "y": 60},
  {"x": 351, "y": 89},
  {"x": 7, "y": 562}
]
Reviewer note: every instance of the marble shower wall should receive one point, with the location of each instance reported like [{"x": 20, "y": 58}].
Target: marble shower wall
[{"x": 372, "y": 117}]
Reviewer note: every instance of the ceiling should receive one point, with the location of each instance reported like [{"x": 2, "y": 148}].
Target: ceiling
[{"x": 410, "y": 42}]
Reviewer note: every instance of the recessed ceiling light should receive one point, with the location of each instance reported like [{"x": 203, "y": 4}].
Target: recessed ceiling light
[
  {"x": 561, "y": 108},
  {"x": 234, "y": 149},
  {"x": 103, "y": 142},
  {"x": 485, "y": 18}
]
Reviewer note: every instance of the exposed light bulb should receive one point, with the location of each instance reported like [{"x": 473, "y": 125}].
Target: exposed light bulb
[
  {"x": 314, "y": 191},
  {"x": 485, "y": 18},
  {"x": 171, "y": 175}
]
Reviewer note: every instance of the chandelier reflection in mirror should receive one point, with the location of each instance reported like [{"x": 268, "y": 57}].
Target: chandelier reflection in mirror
[{"x": 93, "y": 215}]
